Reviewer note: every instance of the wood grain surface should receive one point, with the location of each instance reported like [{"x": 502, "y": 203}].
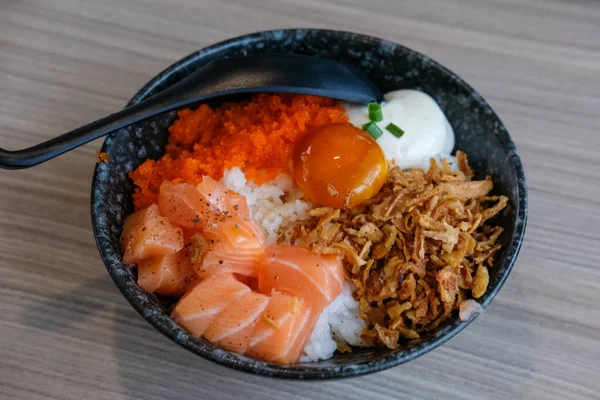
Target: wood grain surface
[{"x": 67, "y": 333}]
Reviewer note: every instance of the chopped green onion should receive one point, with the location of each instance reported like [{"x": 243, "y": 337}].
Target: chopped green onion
[
  {"x": 375, "y": 112},
  {"x": 373, "y": 106},
  {"x": 373, "y": 130},
  {"x": 394, "y": 130}
]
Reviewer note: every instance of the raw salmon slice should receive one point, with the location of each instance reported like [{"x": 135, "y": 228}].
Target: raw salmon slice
[
  {"x": 303, "y": 328},
  {"x": 193, "y": 206},
  {"x": 238, "y": 205},
  {"x": 337, "y": 274},
  {"x": 168, "y": 275},
  {"x": 234, "y": 245},
  {"x": 250, "y": 281},
  {"x": 183, "y": 204},
  {"x": 134, "y": 221},
  {"x": 216, "y": 195},
  {"x": 233, "y": 328},
  {"x": 146, "y": 234},
  {"x": 188, "y": 233},
  {"x": 298, "y": 271},
  {"x": 278, "y": 327},
  {"x": 202, "y": 304}
]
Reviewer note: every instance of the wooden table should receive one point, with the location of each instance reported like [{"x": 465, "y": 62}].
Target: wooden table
[{"x": 67, "y": 333}]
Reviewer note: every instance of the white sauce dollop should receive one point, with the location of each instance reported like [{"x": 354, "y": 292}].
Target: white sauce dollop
[{"x": 427, "y": 132}]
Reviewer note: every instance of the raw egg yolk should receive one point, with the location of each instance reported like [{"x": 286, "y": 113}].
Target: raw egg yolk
[{"x": 339, "y": 165}]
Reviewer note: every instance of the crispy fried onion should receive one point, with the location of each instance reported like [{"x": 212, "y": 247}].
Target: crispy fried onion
[
  {"x": 198, "y": 248},
  {"x": 415, "y": 252}
]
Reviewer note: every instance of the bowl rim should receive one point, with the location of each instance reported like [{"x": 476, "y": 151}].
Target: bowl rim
[{"x": 307, "y": 372}]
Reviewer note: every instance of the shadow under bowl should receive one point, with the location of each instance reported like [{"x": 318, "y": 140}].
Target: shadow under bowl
[{"x": 479, "y": 133}]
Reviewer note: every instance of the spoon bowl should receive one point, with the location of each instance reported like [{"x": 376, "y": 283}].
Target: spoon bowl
[{"x": 273, "y": 73}]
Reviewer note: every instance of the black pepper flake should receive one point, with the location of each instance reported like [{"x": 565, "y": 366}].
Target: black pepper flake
[{"x": 220, "y": 261}]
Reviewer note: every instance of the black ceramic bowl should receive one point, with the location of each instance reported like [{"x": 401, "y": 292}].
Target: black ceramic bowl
[{"x": 479, "y": 132}]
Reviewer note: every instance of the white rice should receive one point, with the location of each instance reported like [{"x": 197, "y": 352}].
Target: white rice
[
  {"x": 272, "y": 204},
  {"x": 340, "y": 319},
  {"x": 278, "y": 203}
]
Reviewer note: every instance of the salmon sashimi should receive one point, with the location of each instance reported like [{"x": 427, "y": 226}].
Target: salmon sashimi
[
  {"x": 168, "y": 275},
  {"x": 250, "y": 281},
  {"x": 337, "y": 274},
  {"x": 238, "y": 205},
  {"x": 298, "y": 271},
  {"x": 233, "y": 328},
  {"x": 134, "y": 221},
  {"x": 234, "y": 245},
  {"x": 146, "y": 234},
  {"x": 184, "y": 205},
  {"x": 216, "y": 195},
  {"x": 275, "y": 331},
  {"x": 202, "y": 304},
  {"x": 188, "y": 233},
  {"x": 282, "y": 309},
  {"x": 301, "y": 331},
  {"x": 193, "y": 206}
]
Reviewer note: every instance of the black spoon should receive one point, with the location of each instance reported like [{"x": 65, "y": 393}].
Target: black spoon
[{"x": 283, "y": 73}]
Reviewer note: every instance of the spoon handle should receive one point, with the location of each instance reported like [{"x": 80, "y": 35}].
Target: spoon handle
[
  {"x": 47, "y": 150},
  {"x": 285, "y": 73}
]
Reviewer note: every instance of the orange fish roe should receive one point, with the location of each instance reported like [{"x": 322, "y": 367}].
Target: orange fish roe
[
  {"x": 101, "y": 157},
  {"x": 257, "y": 135}
]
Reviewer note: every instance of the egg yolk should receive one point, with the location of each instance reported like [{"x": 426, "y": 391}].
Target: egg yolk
[{"x": 339, "y": 165}]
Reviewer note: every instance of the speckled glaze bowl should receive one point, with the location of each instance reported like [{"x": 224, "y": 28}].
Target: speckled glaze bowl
[{"x": 479, "y": 132}]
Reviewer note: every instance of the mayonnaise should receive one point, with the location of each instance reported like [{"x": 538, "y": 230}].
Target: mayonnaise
[{"x": 427, "y": 132}]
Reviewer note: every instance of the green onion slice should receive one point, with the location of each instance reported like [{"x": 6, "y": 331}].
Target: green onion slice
[
  {"x": 394, "y": 130},
  {"x": 375, "y": 112},
  {"x": 372, "y": 129},
  {"x": 374, "y": 106}
]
